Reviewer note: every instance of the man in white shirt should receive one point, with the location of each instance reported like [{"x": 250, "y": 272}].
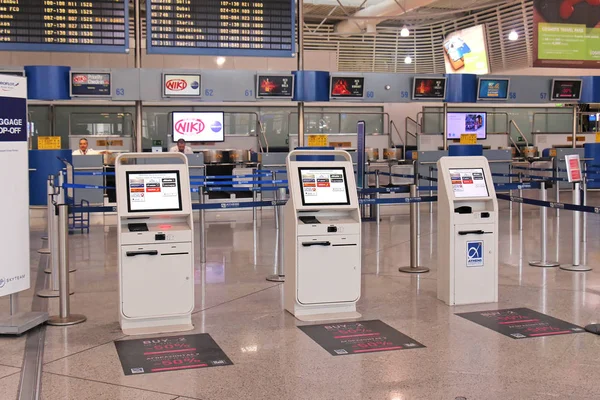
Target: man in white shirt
[
  {"x": 84, "y": 150},
  {"x": 180, "y": 147}
]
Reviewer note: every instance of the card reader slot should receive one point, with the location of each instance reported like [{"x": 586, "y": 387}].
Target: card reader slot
[
  {"x": 142, "y": 253},
  {"x": 185, "y": 253},
  {"x": 476, "y": 232},
  {"x": 344, "y": 245},
  {"x": 323, "y": 243}
]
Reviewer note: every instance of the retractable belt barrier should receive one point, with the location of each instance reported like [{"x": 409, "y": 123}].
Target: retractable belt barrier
[
  {"x": 550, "y": 204},
  {"x": 224, "y": 177},
  {"x": 268, "y": 171},
  {"x": 78, "y": 186},
  {"x": 226, "y": 183},
  {"x": 92, "y": 173}
]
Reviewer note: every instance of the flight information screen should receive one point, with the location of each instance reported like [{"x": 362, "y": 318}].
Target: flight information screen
[
  {"x": 221, "y": 27},
  {"x": 61, "y": 25}
]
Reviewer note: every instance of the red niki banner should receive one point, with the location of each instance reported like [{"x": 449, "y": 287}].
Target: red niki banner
[{"x": 566, "y": 33}]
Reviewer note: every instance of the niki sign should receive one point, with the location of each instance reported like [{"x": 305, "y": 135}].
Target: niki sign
[
  {"x": 198, "y": 126},
  {"x": 183, "y": 85},
  {"x": 14, "y": 173}
]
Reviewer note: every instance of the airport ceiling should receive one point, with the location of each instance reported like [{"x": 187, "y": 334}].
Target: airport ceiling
[{"x": 366, "y": 34}]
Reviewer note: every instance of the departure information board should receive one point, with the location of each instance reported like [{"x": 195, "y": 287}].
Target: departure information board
[
  {"x": 61, "y": 25},
  {"x": 221, "y": 27}
]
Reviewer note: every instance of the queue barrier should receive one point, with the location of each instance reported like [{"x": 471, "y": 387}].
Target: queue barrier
[{"x": 226, "y": 183}]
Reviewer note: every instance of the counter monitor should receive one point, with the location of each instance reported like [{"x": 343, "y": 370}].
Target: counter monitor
[
  {"x": 153, "y": 191},
  {"x": 90, "y": 84},
  {"x": 468, "y": 182},
  {"x": 467, "y": 122},
  {"x": 344, "y": 87},
  {"x": 566, "y": 89},
  {"x": 196, "y": 126},
  {"x": 275, "y": 86},
  {"x": 182, "y": 85},
  {"x": 429, "y": 88},
  {"x": 322, "y": 186},
  {"x": 493, "y": 89}
]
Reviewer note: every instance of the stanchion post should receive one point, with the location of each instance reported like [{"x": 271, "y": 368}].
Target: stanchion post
[
  {"x": 414, "y": 267},
  {"x": 584, "y": 194},
  {"x": 510, "y": 192},
  {"x": 557, "y": 189},
  {"x": 431, "y": 191},
  {"x": 65, "y": 317},
  {"x": 520, "y": 203},
  {"x": 201, "y": 217},
  {"x": 544, "y": 263},
  {"x": 576, "y": 266},
  {"x": 377, "y": 209},
  {"x": 254, "y": 197},
  {"x": 276, "y": 209},
  {"x": 49, "y": 210},
  {"x": 280, "y": 275}
]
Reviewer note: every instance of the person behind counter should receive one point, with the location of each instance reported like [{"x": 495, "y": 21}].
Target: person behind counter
[
  {"x": 84, "y": 149},
  {"x": 180, "y": 147}
]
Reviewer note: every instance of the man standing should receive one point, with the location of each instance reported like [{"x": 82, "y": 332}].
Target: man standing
[
  {"x": 181, "y": 148},
  {"x": 84, "y": 150}
]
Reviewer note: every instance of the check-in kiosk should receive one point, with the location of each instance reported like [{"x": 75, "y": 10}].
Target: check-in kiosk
[
  {"x": 155, "y": 231},
  {"x": 467, "y": 232},
  {"x": 322, "y": 237}
]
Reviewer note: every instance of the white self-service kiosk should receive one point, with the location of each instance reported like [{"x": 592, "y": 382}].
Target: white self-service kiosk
[
  {"x": 467, "y": 232},
  {"x": 155, "y": 230},
  {"x": 322, "y": 237}
]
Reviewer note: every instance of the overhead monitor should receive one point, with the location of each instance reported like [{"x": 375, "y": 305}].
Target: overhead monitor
[
  {"x": 566, "y": 89},
  {"x": 468, "y": 182},
  {"x": 12, "y": 72},
  {"x": 467, "y": 122},
  {"x": 323, "y": 186},
  {"x": 465, "y": 51},
  {"x": 344, "y": 87},
  {"x": 182, "y": 85},
  {"x": 493, "y": 89},
  {"x": 429, "y": 88},
  {"x": 275, "y": 86},
  {"x": 153, "y": 191},
  {"x": 198, "y": 126},
  {"x": 90, "y": 84}
]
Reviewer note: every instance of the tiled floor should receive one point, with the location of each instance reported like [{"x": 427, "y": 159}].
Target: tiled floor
[{"x": 275, "y": 360}]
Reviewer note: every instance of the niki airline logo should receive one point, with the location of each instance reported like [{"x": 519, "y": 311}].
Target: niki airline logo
[
  {"x": 190, "y": 126},
  {"x": 2, "y": 282},
  {"x": 80, "y": 79},
  {"x": 475, "y": 254},
  {"x": 216, "y": 126},
  {"x": 178, "y": 85},
  {"x": 8, "y": 86}
]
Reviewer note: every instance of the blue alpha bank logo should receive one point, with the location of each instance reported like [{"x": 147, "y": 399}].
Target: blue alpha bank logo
[{"x": 475, "y": 254}]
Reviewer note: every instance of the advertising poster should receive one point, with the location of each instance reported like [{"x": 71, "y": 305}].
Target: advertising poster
[
  {"x": 521, "y": 323},
  {"x": 278, "y": 86},
  {"x": 345, "y": 87},
  {"x": 429, "y": 88},
  {"x": 566, "y": 33},
  {"x": 181, "y": 85},
  {"x": 344, "y": 338},
  {"x": 465, "y": 52},
  {"x": 493, "y": 89},
  {"x": 14, "y": 173},
  {"x": 173, "y": 353}
]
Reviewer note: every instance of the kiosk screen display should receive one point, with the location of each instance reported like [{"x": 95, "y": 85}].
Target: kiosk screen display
[
  {"x": 469, "y": 122},
  {"x": 150, "y": 191},
  {"x": 324, "y": 186},
  {"x": 468, "y": 182}
]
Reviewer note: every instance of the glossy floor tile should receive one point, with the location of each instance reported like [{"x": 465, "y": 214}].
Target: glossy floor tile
[{"x": 273, "y": 359}]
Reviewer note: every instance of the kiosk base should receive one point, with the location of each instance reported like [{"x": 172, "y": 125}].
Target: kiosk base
[
  {"x": 156, "y": 326},
  {"x": 324, "y": 313},
  {"x": 21, "y": 322},
  {"x": 328, "y": 317}
]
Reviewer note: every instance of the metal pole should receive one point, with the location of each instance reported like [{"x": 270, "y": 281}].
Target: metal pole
[
  {"x": 576, "y": 267},
  {"x": 445, "y": 138},
  {"x": 254, "y": 197},
  {"x": 202, "y": 226},
  {"x": 138, "y": 64},
  {"x": 300, "y": 68},
  {"x": 276, "y": 209},
  {"x": 557, "y": 190},
  {"x": 280, "y": 275},
  {"x": 585, "y": 195},
  {"x": 431, "y": 191},
  {"x": 574, "y": 144},
  {"x": 14, "y": 303},
  {"x": 377, "y": 210},
  {"x": 414, "y": 267},
  {"x": 521, "y": 204},
  {"x": 49, "y": 211},
  {"x": 65, "y": 317},
  {"x": 543, "y": 237},
  {"x": 510, "y": 192}
]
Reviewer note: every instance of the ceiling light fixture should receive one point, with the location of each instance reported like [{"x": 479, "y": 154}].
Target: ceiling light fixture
[
  {"x": 408, "y": 60},
  {"x": 220, "y": 61},
  {"x": 405, "y": 32},
  {"x": 513, "y": 35}
]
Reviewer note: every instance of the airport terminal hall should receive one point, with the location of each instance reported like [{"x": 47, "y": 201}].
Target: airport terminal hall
[{"x": 300, "y": 200}]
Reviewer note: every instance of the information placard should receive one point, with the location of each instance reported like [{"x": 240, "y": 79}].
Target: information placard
[
  {"x": 573, "y": 167},
  {"x": 468, "y": 138},
  {"x": 221, "y": 27},
  {"x": 85, "y": 26},
  {"x": 317, "y": 140},
  {"x": 49, "y": 143}
]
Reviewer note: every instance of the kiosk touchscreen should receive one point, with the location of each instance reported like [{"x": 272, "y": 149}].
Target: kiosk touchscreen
[
  {"x": 468, "y": 232},
  {"x": 155, "y": 230},
  {"x": 322, "y": 245}
]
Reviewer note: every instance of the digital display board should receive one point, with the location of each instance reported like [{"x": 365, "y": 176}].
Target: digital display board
[
  {"x": 275, "y": 86},
  {"x": 493, "y": 89},
  {"x": 324, "y": 186},
  {"x": 466, "y": 122},
  {"x": 198, "y": 126},
  {"x": 468, "y": 182},
  {"x": 343, "y": 87},
  {"x": 566, "y": 89},
  {"x": 60, "y": 25},
  {"x": 182, "y": 85},
  {"x": 429, "y": 88},
  {"x": 221, "y": 27},
  {"x": 90, "y": 84},
  {"x": 153, "y": 191}
]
